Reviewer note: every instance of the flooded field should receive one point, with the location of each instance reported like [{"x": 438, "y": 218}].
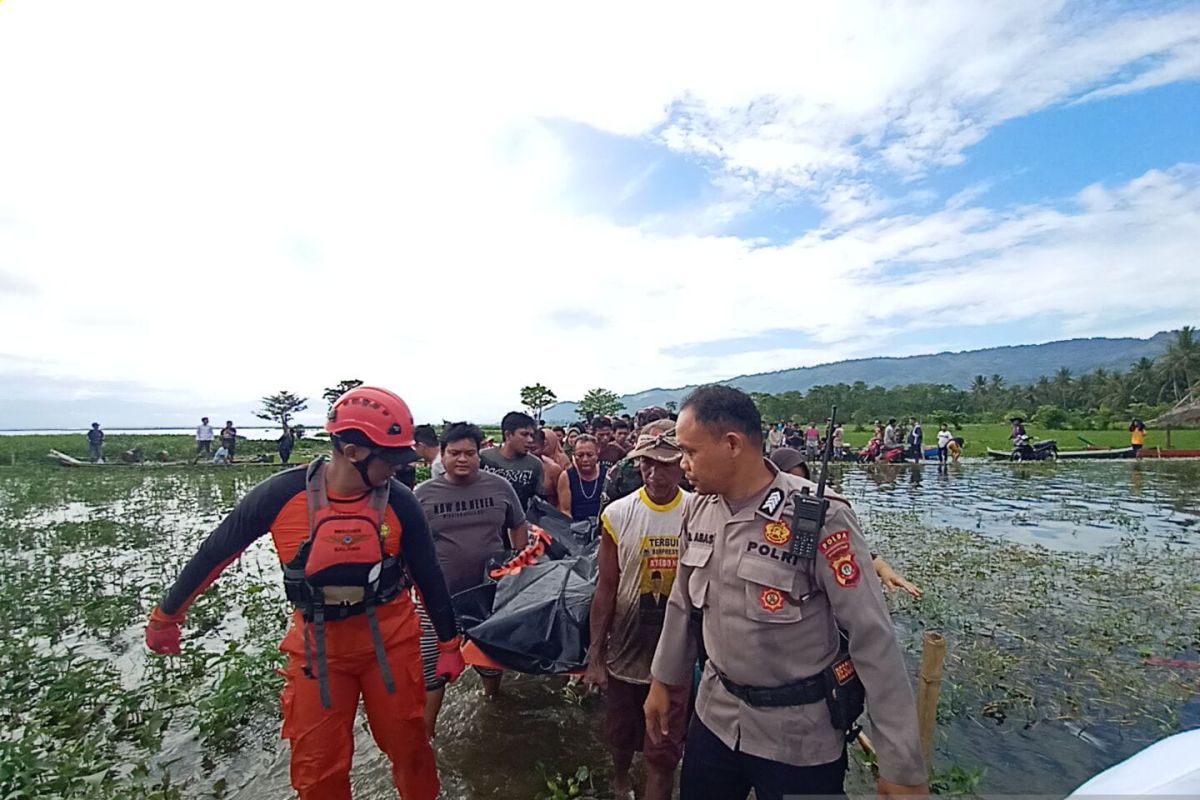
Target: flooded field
[{"x": 1069, "y": 595}]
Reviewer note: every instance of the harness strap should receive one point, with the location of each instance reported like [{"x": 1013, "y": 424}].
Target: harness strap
[
  {"x": 384, "y": 670},
  {"x": 322, "y": 671}
]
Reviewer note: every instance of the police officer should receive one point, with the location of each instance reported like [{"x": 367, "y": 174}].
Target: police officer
[{"x": 768, "y": 715}]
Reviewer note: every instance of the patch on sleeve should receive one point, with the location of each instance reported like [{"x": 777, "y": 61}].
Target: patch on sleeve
[
  {"x": 836, "y": 548},
  {"x": 777, "y": 532},
  {"x": 771, "y": 600}
]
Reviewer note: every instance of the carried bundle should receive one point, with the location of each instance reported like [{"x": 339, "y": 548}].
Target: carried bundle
[{"x": 531, "y": 612}]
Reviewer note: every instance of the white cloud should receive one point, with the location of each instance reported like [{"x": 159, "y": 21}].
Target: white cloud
[{"x": 221, "y": 203}]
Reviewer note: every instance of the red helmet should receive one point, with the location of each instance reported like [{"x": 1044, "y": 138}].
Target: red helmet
[{"x": 381, "y": 415}]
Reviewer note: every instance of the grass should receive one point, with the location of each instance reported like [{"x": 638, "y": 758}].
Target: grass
[{"x": 979, "y": 437}]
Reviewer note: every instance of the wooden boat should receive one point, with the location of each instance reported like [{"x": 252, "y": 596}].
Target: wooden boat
[
  {"x": 70, "y": 461},
  {"x": 1102, "y": 453},
  {"x": 1158, "y": 452}
]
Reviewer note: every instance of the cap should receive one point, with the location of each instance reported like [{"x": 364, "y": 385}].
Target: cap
[
  {"x": 657, "y": 447},
  {"x": 786, "y": 458}
]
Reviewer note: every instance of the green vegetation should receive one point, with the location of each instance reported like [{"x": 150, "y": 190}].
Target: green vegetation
[
  {"x": 535, "y": 398},
  {"x": 1099, "y": 400},
  {"x": 599, "y": 402}
]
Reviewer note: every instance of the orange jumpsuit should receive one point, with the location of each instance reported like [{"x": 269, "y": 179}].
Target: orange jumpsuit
[{"x": 322, "y": 739}]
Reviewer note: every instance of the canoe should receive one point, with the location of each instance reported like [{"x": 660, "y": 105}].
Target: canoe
[
  {"x": 70, "y": 461},
  {"x": 1158, "y": 452},
  {"x": 1112, "y": 452}
]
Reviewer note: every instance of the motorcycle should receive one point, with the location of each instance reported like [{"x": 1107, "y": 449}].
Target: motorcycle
[{"x": 1026, "y": 450}]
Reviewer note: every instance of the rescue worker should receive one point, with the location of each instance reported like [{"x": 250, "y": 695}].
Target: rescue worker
[
  {"x": 639, "y": 549},
  {"x": 772, "y": 608},
  {"x": 349, "y": 537},
  {"x": 791, "y": 461}
]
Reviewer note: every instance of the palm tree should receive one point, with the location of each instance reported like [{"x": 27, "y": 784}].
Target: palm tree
[
  {"x": 1064, "y": 385},
  {"x": 1181, "y": 361},
  {"x": 1143, "y": 377}
]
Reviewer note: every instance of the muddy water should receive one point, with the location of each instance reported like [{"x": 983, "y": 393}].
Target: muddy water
[{"x": 1076, "y": 516}]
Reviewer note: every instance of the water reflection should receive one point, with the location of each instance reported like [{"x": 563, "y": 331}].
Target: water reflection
[{"x": 1075, "y": 506}]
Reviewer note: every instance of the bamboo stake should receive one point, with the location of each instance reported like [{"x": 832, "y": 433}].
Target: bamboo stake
[{"x": 929, "y": 686}]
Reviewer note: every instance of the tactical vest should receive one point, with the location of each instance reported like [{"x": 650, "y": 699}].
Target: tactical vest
[{"x": 341, "y": 570}]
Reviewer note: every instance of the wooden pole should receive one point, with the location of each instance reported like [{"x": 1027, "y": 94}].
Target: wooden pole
[{"x": 929, "y": 687}]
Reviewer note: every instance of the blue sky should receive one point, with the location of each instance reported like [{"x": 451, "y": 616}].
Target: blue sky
[{"x": 556, "y": 195}]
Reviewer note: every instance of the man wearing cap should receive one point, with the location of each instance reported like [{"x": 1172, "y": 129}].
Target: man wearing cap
[
  {"x": 781, "y": 687},
  {"x": 638, "y": 557}
]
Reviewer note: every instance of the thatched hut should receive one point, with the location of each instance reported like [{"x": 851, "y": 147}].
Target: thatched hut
[{"x": 1185, "y": 412}]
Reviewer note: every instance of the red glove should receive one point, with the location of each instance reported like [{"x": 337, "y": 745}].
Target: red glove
[
  {"x": 162, "y": 633},
  {"x": 450, "y": 662}
]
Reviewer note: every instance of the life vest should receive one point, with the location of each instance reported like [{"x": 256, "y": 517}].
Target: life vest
[{"x": 341, "y": 570}]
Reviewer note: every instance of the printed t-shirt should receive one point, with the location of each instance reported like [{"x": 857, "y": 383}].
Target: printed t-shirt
[
  {"x": 526, "y": 473},
  {"x": 469, "y": 524},
  {"x": 647, "y": 539}
]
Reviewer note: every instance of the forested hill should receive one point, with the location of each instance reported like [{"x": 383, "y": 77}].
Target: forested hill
[{"x": 1017, "y": 364}]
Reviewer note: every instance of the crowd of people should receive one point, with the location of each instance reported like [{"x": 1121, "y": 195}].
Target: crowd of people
[
  {"x": 889, "y": 441},
  {"x": 721, "y": 656}
]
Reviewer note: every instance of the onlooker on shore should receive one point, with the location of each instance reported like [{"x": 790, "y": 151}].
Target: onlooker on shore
[
  {"x": 889, "y": 435},
  {"x": 775, "y": 436},
  {"x": 425, "y": 442},
  {"x": 285, "y": 444},
  {"x": 221, "y": 456},
  {"x": 944, "y": 437},
  {"x": 204, "y": 440},
  {"x": 916, "y": 439},
  {"x": 812, "y": 441},
  {"x": 839, "y": 441},
  {"x": 229, "y": 439},
  {"x": 1137, "y": 435},
  {"x": 95, "y": 440}
]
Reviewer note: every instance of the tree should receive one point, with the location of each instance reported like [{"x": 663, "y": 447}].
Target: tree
[
  {"x": 671, "y": 406},
  {"x": 332, "y": 393},
  {"x": 599, "y": 402},
  {"x": 535, "y": 398},
  {"x": 1065, "y": 386},
  {"x": 1181, "y": 361},
  {"x": 280, "y": 407}
]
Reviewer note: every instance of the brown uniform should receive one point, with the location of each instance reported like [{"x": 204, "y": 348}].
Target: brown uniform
[{"x": 772, "y": 619}]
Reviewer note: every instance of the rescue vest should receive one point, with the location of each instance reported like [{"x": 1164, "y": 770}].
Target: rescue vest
[{"x": 341, "y": 570}]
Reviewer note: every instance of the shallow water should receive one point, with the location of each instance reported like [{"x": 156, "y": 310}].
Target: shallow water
[
  {"x": 1071, "y": 506},
  {"x": 1081, "y": 516}
]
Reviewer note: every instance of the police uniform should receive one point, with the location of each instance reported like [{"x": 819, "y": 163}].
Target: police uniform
[{"x": 771, "y": 619}]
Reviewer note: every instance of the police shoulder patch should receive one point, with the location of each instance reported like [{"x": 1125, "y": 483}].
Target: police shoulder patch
[
  {"x": 837, "y": 550},
  {"x": 771, "y": 502}
]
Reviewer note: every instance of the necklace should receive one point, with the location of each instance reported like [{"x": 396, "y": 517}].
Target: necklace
[{"x": 595, "y": 486}]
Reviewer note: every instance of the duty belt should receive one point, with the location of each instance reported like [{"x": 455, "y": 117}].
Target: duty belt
[{"x": 800, "y": 693}]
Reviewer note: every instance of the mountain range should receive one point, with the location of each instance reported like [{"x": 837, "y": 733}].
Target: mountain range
[{"x": 1016, "y": 364}]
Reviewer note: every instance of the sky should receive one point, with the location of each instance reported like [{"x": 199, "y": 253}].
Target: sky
[{"x": 204, "y": 203}]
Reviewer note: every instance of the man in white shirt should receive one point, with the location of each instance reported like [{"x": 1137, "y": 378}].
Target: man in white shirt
[{"x": 204, "y": 440}]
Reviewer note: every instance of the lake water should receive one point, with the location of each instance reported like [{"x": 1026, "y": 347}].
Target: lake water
[
  {"x": 1128, "y": 517},
  {"x": 258, "y": 433}
]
